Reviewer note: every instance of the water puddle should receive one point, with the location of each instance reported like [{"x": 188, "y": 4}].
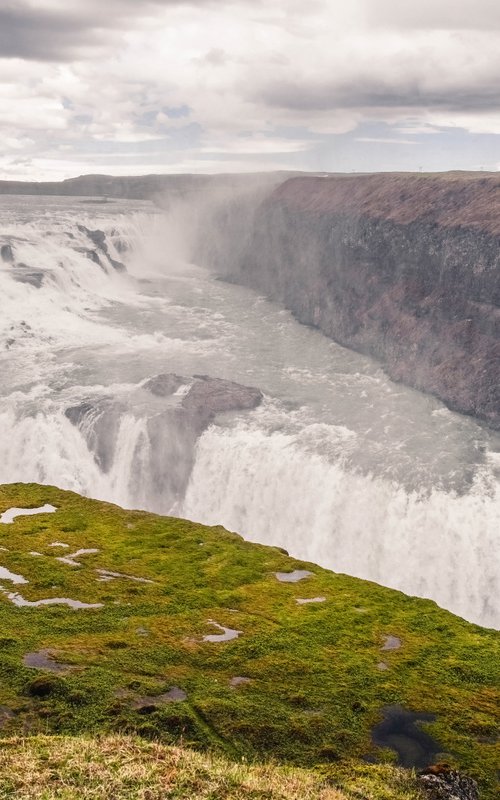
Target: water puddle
[
  {"x": 70, "y": 560},
  {"x": 391, "y": 643},
  {"x": 12, "y": 513},
  {"x": 382, "y": 666},
  {"x": 44, "y": 660},
  {"x": 19, "y": 601},
  {"x": 35, "y": 553},
  {"x": 58, "y": 544},
  {"x": 293, "y": 577},
  {"x": 226, "y": 635},
  {"x": 7, "y": 575},
  {"x": 302, "y": 601},
  {"x": 399, "y": 732},
  {"x": 107, "y": 575}
]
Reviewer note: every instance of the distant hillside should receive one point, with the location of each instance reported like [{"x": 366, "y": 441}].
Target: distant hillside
[{"x": 143, "y": 187}]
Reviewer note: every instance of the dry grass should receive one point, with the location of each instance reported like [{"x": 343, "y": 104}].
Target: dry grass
[{"x": 125, "y": 768}]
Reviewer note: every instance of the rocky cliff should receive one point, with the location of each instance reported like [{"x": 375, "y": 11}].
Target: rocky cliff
[{"x": 401, "y": 267}]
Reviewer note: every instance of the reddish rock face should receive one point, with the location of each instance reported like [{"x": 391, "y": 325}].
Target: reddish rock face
[{"x": 402, "y": 267}]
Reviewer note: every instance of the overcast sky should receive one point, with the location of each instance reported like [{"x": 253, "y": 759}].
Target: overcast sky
[{"x": 139, "y": 86}]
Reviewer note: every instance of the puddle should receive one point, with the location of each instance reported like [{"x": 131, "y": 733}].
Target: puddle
[
  {"x": 7, "y": 575},
  {"x": 399, "y": 732},
  {"x": 107, "y": 575},
  {"x": 239, "y": 680},
  {"x": 226, "y": 635},
  {"x": 70, "y": 560},
  {"x": 19, "y": 601},
  {"x": 382, "y": 666},
  {"x": 391, "y": 643},
  {"x": 10, "y": 515},
  {"x": 34, "y": 553},
  {"x": 302, "y": 601},
  {"x": 58, "y": 544},
  {"x": 44, "y": 660},
  {"x": 293, "y": 577},
  {"x": 149, "y": 704}
]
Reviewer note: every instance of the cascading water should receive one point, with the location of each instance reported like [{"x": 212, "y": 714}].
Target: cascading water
[{"x": 338, "y": 465}]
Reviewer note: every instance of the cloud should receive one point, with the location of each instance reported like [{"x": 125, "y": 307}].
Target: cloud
[
  {"x": 48, "y": 30},
  {"x": 242, "y": 81}
]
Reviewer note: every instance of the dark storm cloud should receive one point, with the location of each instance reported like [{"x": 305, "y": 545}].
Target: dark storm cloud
[
  {"x": 380, "y": 95},
  {"x": 32, "y": 32}
]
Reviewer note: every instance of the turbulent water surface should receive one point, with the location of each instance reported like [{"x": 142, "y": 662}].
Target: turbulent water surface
[{"x": 338, "y": 465}]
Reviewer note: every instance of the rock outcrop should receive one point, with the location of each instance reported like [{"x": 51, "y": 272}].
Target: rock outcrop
[
  {"x": 447, "y": 784},
  {"x": 178, "y": 410},
  {"x": 405, "y": 268}
]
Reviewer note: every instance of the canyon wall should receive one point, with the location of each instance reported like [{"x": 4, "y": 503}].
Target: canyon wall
[{"x": 405, "y": 268}]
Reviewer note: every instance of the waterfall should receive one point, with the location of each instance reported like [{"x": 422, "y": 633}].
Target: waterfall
[{"x": 432, "y": 544}]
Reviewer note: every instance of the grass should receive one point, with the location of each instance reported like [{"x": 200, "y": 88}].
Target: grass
[
  {"x": 128, "y": 768},
  {"x": 314, "y": 692}
]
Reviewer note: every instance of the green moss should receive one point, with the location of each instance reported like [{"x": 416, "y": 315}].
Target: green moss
[{"x": 315, "y": 690}]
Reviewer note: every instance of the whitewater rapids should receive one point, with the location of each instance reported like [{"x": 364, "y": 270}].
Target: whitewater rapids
[{"x": 338, "y": 465}]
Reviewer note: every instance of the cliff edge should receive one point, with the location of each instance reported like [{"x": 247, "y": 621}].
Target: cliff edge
[{"x": 401, "y": 267}]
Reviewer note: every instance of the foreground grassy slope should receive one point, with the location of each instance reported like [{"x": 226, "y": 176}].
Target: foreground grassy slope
[
  {"x": 139, "y": 664},
  {"x": 127, "y": 768}
]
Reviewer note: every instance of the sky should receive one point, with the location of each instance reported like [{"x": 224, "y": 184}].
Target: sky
[{"x": 128, "y": 87}]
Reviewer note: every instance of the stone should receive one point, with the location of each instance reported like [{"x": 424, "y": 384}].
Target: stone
[
  {"x": 440, "y": 782},
  {"x": 7, "y": 253}
]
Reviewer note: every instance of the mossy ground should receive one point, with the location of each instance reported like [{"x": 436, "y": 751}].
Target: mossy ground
[{"x": 315, "y": 690}]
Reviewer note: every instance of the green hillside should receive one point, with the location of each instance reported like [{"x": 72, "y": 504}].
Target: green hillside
[{"x": 303, "y": 684}]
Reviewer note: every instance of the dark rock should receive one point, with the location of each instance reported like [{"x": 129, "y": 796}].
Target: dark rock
[
  {"x": 99, "y": 240},
  {"x": 93, "y": 255},
  {"x": 31, "y": 277},
  {"x": 7, "y": 253},
  {"x": 211, "y": 396},
  {"x": 164, "y": 385},
  {"x": 443, "y": 783},
  {"x": 100, "y": 422},
  {"x": 172, "y": 431}
]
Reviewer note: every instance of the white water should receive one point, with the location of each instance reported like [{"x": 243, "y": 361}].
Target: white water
[{"x": 338, "y": 465}]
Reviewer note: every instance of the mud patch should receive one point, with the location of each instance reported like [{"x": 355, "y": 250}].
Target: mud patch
[
  {"x": 391, "y": 643},
  {"x": 303, "y": 601},
  {"x": 149, "y": 704},
  {"x": 239, "y": 680},
  {"x": 43, "y": 660}
]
